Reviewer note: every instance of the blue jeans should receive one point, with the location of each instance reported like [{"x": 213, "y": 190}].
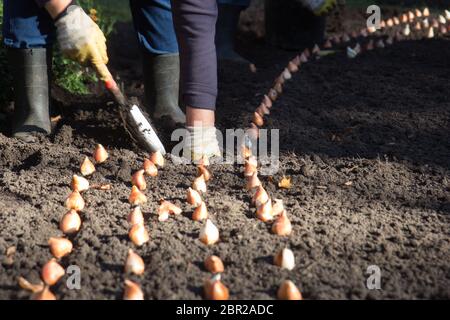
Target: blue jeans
[
  {"x": 25, "y": 25},
  {"x": 243, "y": 3}
]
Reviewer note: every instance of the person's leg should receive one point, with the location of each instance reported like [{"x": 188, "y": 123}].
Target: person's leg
[
  {"x": 195, "y": 22},
  {"x": 227, "y": 24},
  {"x": 154, "y": 27},
  {"x": 28, "y": 33}
]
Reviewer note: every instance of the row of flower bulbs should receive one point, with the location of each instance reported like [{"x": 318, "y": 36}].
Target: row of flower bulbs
[{"x": 70, "y": 224}]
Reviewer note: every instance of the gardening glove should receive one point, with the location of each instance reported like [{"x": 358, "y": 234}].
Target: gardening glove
[
  {"x": 81, "y": 39},
  {"x": 201, "y": 142},
  {"x": 319, "y": 7}
]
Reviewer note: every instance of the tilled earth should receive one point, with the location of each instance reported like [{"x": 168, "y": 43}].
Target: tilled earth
[{"x": 365, "y": 141}]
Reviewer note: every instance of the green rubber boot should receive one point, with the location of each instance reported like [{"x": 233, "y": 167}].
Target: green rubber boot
[
  {"x": 161, "y": 86},
  {"x": 30, "y": 70},
  {"x": 226, "y": 28}
]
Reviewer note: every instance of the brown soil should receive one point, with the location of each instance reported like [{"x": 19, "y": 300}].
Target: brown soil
[{"x": 380, "y": 121}]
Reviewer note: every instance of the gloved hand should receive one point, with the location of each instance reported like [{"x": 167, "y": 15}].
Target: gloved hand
[
  {"x": 201, "y": 142},
  {"x": 319, "y": 7},
  {"x": 81, "y": 39}
]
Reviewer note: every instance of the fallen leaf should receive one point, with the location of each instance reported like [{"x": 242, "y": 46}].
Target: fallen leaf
[{"x": 285, "y": 183}]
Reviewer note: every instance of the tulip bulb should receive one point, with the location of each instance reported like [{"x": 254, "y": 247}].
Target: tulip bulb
[
  {"x": 430, "y": 33},
  {"x": 157, "y": 158},
  {"x": 246, "y": 151},
  {"x": 418, "y": 26},
  {"x": 214, "y": 265},
  {"x": 262, "y": 110},
  {"x": 411, "y": 15},
  {"x": 136, "y": 197},
  {"x": 167, "y": 208},
  {"x": 138, "y": 234},
  {"x": 279, "y": 80},
  {"x": 296, "y": 60},
  {"x": 100, "y": 154},
  {"x": 267, "y": 101},
  {"x": 70, "y": 223},
  {"x": 150, "y": 168},
  {"x": 200, "y": 213},
  {"x": 407, "y": 30},
  {"x": 199, "y": 184},
  {"x": 371, "y": 29},
  {"x": 138, "y": 180},
  {"x": 171, "y": 208},
  {"x": 316, "y": 49},
  {"x": 282, "y": 226},
  {"x": 404, "y": 18},
  {"x": 288, "y": 291},
  {"x": 435, "y": 23},
  {"x": 277, "y": 207},
  {"x": 273, "y": 95},
  {"x": 87, "y": 167},
  {"x": 201, "y": 170},
  {"x": 209, "y": 234},
  {"x": 79, "y": 184},
  {"x": 193, "y": 197},
  {"x": 25, "y": 284},
  {"x": 327, "y": 44},
  {"x": 249, "y": 169},
  {"x": 45, "y": 294},
  {"x": 396, "y": 21},
  {"x": 253, "y": 181},
  {"x": 257, "y": 119},
  {"x": 292, "y": 67},
  {"x": 390, "y": 23},
  {"x": 307, "y": 53},
  {"x": 214, "y": 289},
  {"x": 426, "y": 23},
  {"x": 285, "y": 259},
  {"x": 134, "y": 263},
  {"x": 303, "y": 58},
  {"x": 75, "y": 201},
  {"x": 51, "y": 272},
  {"x": 260, "y": 197},
  {"x": 443, "y": 30},
  {"x": 132, "y": 291},
  {"x": 253, "y": 131},
  {"x": 442, "y": 19},
  {"x": 204, "y": 161},
  {"x": 426, "y": 12},
  {"x": 383, "y": 24},
  {"x": 278, "y": 88},
  {"x": 447, "y": 14},
  {"x": 418, "y": 13},
  {"x": 135, "y": 216},
  {"x": 287, "y": 74},
  {"x": 265, "y": 212},
  {"x": 60, "y": 247}
]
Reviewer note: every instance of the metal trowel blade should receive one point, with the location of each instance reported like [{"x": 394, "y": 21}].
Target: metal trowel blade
[{"x": 141, "y": 130}]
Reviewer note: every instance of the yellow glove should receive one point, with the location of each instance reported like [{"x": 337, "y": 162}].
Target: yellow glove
[
  {"x": 81, "y": 39},
  {"x": 319, "y": 7}
]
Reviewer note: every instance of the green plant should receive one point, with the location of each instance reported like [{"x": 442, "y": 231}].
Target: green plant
[{"x": 69, "y": 74}]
